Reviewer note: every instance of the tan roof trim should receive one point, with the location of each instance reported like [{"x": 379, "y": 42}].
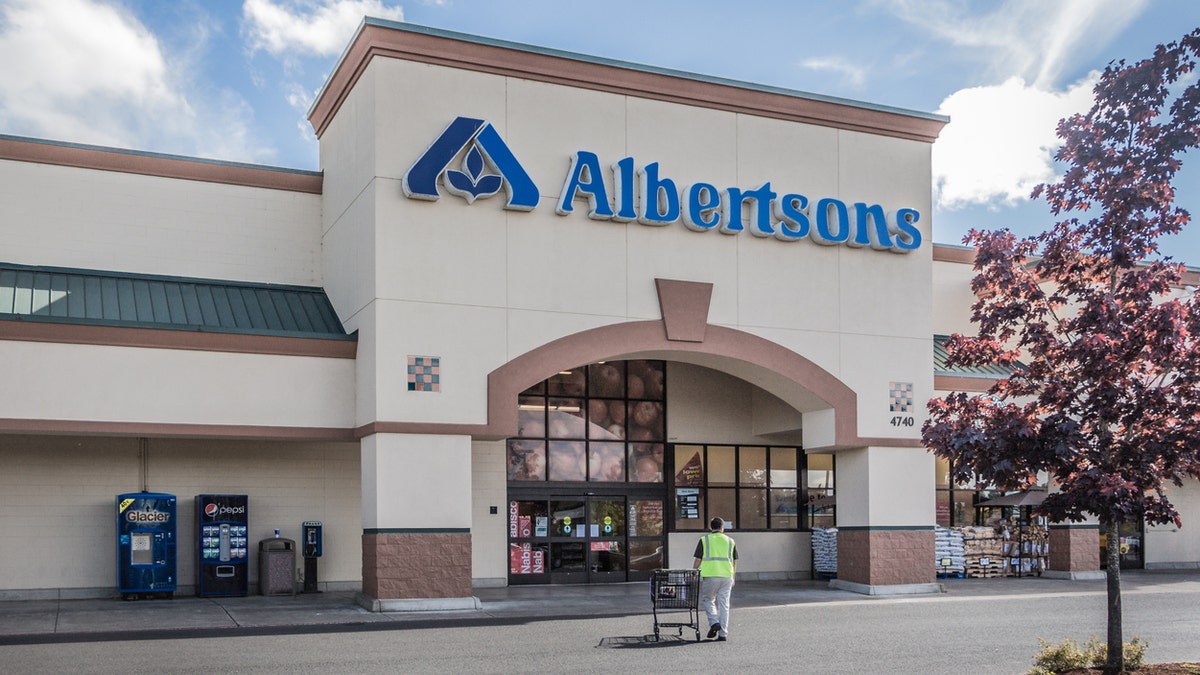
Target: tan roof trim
[
  {"x": 459, "y": 51},
  {"x": 966, "y": 256},
  {"x": 971, "y": 385},
  {"x": 114, "y": 336},
  {"x": 163, "y": 166},
  {"x": 953, "y": 254},
  {"x": 165, "y": 430}
]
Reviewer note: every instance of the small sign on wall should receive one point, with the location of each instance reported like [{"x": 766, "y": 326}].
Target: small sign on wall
[
  {"x": 900, "y": 397},
  {"x": 424, "y": 373}
]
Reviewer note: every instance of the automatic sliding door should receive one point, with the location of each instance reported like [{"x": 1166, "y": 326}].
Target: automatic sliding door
[
  {"x": 575, "y": 539},
  {"x": 607, "y": 553},
  {"x": 568, "y": 541}
]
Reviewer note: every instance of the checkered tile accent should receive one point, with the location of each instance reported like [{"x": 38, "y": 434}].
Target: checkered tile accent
[
  {"x": 424, "y": 373},
  {"x": 900, "y": 397}
]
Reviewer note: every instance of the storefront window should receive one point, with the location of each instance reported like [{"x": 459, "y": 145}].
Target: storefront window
[
  {"x": 646, "y": 518},
  {"x": 752, "y": 466},
  {"x": 603, "y": 423},
  {"x": 783, "y": 468},
  {"x": 782, "y": 507},
  {"x": 955, "y": 502},
  {"x": 752, "y": 509},
  {"x": 567, "y": 461},
  {"x": 526, "y": 460},
  {"x": 645, "y": 556},
  {"x": 751, "y": 487},
  {"x": 646, "y": 462},
  {"x": 607, "y": 461},
  {"x": 822, "y": 505}
]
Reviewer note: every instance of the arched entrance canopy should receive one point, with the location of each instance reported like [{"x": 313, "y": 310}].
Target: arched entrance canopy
[{"x": 794, "y": 379}]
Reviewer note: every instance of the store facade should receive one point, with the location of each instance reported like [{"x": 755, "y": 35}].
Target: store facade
[{"x": 579, "y": 307}]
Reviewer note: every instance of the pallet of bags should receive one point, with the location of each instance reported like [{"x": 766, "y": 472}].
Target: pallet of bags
[
  {"x": 824, "y": 543},
  {"x": 949, "y": 555},
  {"x": 986, "y": 567},
  {"x": 983, "y": 550}
]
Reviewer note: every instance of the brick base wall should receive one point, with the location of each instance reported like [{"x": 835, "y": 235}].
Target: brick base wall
[
  {"x": 422, "y": 565},
  {"x": 886, "y": 557},
  {"x": 1074, "y": 549}
]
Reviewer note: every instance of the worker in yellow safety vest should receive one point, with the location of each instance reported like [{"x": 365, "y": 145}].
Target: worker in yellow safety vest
[{"x": 716, "y": 558}]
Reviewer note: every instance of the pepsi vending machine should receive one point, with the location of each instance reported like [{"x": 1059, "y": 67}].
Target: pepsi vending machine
[
  {"x": 221, "y": 548},
  {"x": 146, "y": 545}
]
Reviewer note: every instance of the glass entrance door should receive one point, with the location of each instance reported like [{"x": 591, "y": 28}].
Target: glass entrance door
[
  {"x": 577, "y": 539},
  {"x": 588, "y": 540},
  {"x": 1132, "y": 536}
]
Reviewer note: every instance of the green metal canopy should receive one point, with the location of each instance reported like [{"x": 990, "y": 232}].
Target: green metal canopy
[
  {"x": 940, "y": 355},
  {"x": 93, "y": 297}
]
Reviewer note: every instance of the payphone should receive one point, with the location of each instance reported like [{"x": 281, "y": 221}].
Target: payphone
[{"x": 310, "y": 548}]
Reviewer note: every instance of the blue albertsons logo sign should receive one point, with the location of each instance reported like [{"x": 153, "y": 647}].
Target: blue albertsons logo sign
[
  {"x": 479, "y": 139},
  {"x": 644, "y": 195}
]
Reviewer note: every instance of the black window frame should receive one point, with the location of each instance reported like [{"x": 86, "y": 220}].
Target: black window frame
[{"x": 802, "y": 515}]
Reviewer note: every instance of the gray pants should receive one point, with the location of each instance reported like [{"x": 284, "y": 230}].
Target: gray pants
[{"x": 714, "y": 593}]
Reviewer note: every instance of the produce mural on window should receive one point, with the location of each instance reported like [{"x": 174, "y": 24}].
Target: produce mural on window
[{"x": 605, "y": 422}]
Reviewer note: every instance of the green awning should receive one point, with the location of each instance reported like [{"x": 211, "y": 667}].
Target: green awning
[
  {"x": 940, "y": 355},
  {"x": 93, "y": 297}
]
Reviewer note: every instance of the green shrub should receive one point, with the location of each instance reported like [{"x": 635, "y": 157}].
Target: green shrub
[
  {"x": 1134, "y": 652},
  {"x": 1069, "y": 655},
  {"x": 1059, "y": 658}
]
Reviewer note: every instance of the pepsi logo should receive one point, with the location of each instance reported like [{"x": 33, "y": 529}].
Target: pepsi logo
[{"x": 210, "y": 510}]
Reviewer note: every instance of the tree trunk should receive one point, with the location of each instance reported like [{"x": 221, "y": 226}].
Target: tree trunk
[{"x": 1115, "y": 663}]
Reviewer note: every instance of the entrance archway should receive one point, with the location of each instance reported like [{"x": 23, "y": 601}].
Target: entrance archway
[{"x": 824, "y": 400}]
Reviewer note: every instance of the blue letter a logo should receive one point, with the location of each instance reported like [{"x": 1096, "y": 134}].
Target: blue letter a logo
[{"x": 481, "y": 142}]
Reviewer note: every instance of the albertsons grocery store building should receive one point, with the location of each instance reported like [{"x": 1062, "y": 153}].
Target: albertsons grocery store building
[{"x": 538, "y": 317}]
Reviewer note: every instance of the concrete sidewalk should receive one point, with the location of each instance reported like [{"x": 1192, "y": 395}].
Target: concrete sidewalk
[{"x": 42, "y": 621}]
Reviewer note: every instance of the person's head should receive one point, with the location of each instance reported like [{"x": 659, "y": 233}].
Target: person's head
[{"x": 716, "y": 524}]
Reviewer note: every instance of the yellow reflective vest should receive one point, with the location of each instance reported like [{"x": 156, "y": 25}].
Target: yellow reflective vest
[{"x": 718, "y": 555}]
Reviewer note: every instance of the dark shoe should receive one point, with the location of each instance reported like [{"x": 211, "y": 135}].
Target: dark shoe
[
  {"x": 713, "y": 630},
  {"x": 722, "y": 639}
]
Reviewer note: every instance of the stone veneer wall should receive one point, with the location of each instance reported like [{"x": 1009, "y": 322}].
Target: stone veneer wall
[
  {"x": 416, "y": 565},
  {"x": 1074, "y": 548},
  {"x": 886, "y": 557}
]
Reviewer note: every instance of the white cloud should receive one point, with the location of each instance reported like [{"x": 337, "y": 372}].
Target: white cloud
[
  {"x": 80, "y": 60},
  {"x": 92, "y": 73},
  {"x": 1034, "y": 39},
  {"x": 855, "y": 75},
  {"x": 1001, "y": 140},
  {"x": 308, "y": 26}
]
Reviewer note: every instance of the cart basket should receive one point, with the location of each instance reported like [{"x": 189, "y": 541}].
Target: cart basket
[{"x": 676, "y": 591}]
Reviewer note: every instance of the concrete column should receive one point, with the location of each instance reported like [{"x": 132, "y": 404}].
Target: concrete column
[
  {"x": 416, "y": 493},
  {"x": 885, "y": 519}
]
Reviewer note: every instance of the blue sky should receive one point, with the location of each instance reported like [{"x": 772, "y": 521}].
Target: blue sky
[{"x": 233, "y": 79}]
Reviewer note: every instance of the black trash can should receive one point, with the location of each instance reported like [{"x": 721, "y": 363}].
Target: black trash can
[{"x": 277, "y": 566}]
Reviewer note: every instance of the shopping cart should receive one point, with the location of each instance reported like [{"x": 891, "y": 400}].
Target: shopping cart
[{"x": 676, "y": 591}]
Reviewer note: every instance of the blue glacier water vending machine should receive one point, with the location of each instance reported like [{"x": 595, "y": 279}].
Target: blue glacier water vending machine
[{"x": 146, "y": 565}]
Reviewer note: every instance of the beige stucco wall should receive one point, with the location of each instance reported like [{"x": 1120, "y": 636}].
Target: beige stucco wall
[
  {"x": 174, "y": 386},
  {"x": 479, "y": 285},
  {"x": 952, "y": 298},
  {"x": 761, "y": 555},
  {"x": 58, "y": 504},
  {"x": 489, "y": 536},
  {"x": 106, "y": 220},
  {"x": 1170, "y": 546}
]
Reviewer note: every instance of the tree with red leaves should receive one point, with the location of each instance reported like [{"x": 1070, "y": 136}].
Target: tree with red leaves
[{"x": 1104, "y": 345}]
